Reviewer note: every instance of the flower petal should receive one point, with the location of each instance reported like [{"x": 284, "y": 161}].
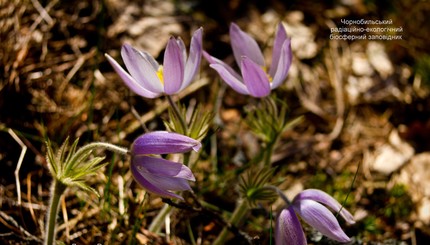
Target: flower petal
[
  {"x": 181, "y": 45},
  {"x": 230, "y": 78},
  {"x": 141, "y": 68},
  {"x": 161, "y": 178},
  {"x": 173, "y": 66},
  {"x": 146, "y": 181},
  {"x": 283, "y": 65},
  {"x": 255, "y": 78},
  {"x": 326, "y": 199},
  {"x": 163, "y": 142},
  {"x": 212, "y": 60},
  {"x": 244, "y": 45},
  {"x": 319, "y": 217},
  {"x": 130, "y": 81},
  {"x": 168, "y": 183},
  {"x": 280, "y": 37},
  {"x": 162, "y": 167},
  {"x": 193, "y": 62},
  {"x": 288, "y": 230}
]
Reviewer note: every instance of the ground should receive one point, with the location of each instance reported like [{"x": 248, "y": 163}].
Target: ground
[{"x": 363, "y": 135}]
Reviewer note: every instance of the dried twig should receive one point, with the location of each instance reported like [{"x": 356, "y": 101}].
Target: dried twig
[
  {"x": 18, "y": 166},
  {"x": 33, "y": 216},
  {"x": 65, "y": 217},
  {"x": 15, "y": 224},
  {"x": 43, "y": 13}
]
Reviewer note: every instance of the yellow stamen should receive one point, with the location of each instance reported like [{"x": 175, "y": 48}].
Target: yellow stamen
[
  {"x": 267, "y": 74},
  {"x": 160, "y": 74}
]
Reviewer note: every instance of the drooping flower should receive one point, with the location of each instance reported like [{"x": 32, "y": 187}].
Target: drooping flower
[
  {"x": 308, "y": 205},
  {"x": 158, "y": 175},
  {"x": 255, "y": 79},
  {"x": 149, "y": 79}
]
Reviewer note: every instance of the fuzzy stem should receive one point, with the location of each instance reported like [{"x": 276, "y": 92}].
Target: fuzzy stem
[
  {"x": 158, "y": 221},
  {"x": 279, "y": 192},
  {"x": 178, "y": 114},
  {"x": 90, "y": 147},
  {"x": 269, "y": 152},
  {"x": 57, "y": 191},
  {"x": 238, "y": 214}
]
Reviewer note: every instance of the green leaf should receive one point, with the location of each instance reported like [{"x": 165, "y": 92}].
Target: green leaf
[
  {"x": 50, "y": 158},
  {"x": 252, "y": 185}
]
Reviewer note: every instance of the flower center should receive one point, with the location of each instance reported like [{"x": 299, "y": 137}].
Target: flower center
[
  {"x": 267, "y": 74},
  {"x": 160, "y": 74}
]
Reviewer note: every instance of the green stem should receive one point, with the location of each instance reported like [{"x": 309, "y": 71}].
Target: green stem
[
  {"x": 271, "y": 226},
  {"x": 178, "y": 114},
  {"x": 138, "y": 222},
  {"x": 57, "y": 191},
  {"x": 158, "y": 221},
  {"x": 190, "y": 233},
  {"x": 238, "y": 214},
  {"x": 279, "y": 192},
  {"x": 91, "y": 146},
  {"x": 268, "y": 153}
]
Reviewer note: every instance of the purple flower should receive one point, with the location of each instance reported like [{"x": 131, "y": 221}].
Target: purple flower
[
  {"x": 308, "y": 204},
  {"x": 149, "y": 79},
  {"x": 158, "y": 175},
  {"x": 255, "y": 79}
]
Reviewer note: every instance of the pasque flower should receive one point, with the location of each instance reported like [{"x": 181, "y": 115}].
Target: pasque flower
[
  {"x": 158, "y": 175},
  {"x": 149, "y": 79},
  {"x": 255, "y": 79},
  {"x": 308, "y": 205}
]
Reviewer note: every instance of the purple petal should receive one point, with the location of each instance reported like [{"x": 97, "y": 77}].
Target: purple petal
[
  {"x": 194, "y": 58},
  {"x": 319, "y": 217},
  {"x": 162, "y": 167},
  {"x": 163, "y": 142},
  {"x": 147, "y": 182},
  {"x": 326, "y": 199},
  {"x": 244, "y": 45},
  {"x": 171, "y": 179},
  {"x": 212, "y": 60},
  {"x": 255, "y": 78},
  {"x": 130, "y": 81},
  {"x": 283, "y": 64},
  {"x": 230, "y": 78},
  {"x": 141, "y": 69},
  {"x": 288, "y": 230},
  {"x": 173, "y": 66},
  {"x": 167, "y": 183},
  {"x": 183, "y": 49},
  {"x": 280, "y": 37},
  {"x": 150, "y": 59}
]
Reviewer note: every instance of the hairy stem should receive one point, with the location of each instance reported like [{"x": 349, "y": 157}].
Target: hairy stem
[
  {"x": 57, "y": 191},
  {"x": 91, "y": 146},
  {"x": 178, "y": 114},
  {"x": 279, "y": 192}
]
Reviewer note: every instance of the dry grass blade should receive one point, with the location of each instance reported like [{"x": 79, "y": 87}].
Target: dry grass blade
[
  {"x": 18, "y": 165},
  {"x": 6, "y": 218}
]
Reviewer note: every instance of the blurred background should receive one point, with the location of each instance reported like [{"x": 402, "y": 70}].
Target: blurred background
[{"x": 365, "y": 106}]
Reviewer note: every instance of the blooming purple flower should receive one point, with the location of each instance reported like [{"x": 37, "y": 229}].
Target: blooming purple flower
[
  {"x": 308, "y": 205},
  {"x": 149, "y": 79},
  {"x": 255, "y": 79},
  {"x": 158, "y": 175}
]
